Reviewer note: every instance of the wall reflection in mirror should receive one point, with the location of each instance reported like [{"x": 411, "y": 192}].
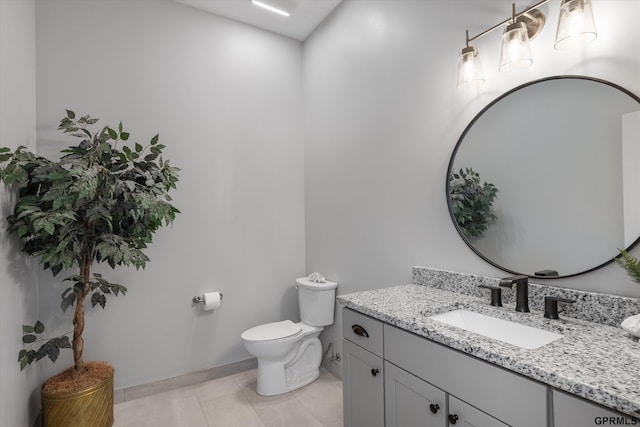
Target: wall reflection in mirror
[{"x": 547, "y": 177}]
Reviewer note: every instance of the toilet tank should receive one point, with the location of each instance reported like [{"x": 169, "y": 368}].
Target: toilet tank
[{"x": 316, "y": 301}]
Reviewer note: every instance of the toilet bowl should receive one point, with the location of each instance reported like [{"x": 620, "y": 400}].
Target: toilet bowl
[{"x": 289, "y": 354}]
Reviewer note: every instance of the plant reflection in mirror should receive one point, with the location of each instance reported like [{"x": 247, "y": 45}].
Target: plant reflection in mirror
[
  {"x": 471, "y": 202},
  {"x": 631, "y": 264}
]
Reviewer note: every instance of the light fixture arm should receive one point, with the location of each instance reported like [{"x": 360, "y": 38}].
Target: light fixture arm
[{"x": 512, "y": 19}]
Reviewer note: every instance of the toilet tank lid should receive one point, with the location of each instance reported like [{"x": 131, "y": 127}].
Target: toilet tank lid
[
  {"x": 271, "y": 331},
  {"x": 306, "y": 283}
]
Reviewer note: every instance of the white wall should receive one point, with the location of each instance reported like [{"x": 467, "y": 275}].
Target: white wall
[
  {"x": 226, "y": 99},
  {"x": 383, "y": 114},
  {"x": 19, "y": 400}
]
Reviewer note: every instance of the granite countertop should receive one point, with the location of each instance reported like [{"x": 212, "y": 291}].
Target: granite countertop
[{"x": 595, "y": 361}]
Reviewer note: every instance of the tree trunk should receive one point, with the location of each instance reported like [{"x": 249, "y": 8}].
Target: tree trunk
[{"x": 78, "y": 317}]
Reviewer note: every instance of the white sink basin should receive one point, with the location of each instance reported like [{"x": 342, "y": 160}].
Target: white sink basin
[{"x": 499, "y": 329}]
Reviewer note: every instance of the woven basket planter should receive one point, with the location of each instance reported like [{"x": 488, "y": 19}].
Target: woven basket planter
[{"x": 90, "y": 407}]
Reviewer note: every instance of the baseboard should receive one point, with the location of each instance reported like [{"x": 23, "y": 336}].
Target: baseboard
[
  {"x": 144, "y": 390},
  {"x": 332, "y": 367}
]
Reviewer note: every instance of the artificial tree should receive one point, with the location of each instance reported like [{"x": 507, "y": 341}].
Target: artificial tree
[{"x": 98, "y": 203}]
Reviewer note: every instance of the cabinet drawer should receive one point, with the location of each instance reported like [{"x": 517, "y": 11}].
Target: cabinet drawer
[
  {"x": 467, "y": 415},
  {"x": 362, "y": 330},
  {"x": 513, "y": 399}
]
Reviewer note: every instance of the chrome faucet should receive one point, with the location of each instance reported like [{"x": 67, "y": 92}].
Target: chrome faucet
[{"x": 522, "y": 291}]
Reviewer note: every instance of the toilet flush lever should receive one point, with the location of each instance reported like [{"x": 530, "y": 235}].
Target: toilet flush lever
[{"x": 359, "y": 330}]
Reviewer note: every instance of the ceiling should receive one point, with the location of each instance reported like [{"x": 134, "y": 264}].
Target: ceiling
[{"x": 305, "y": 16}]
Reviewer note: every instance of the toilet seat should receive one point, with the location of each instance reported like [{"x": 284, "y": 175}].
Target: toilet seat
[{"x": 272, "y": 331}]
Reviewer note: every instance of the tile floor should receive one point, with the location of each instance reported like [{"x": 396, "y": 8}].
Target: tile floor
[{"x": 232, "y": 401}]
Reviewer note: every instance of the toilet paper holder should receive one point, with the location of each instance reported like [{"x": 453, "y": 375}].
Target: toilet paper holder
[{"x": 200, "y": 299}]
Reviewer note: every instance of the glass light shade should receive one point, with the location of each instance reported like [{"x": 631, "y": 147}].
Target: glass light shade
[
  {"x": 576, "y": 26},
  {"x": 469, "y": 69},
  {"x": 516, "y": 53}
]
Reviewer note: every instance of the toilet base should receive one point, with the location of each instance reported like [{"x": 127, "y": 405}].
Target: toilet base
[{"x": 304, "y": 368}]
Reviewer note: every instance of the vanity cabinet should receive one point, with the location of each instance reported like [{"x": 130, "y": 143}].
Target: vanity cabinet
[
  {"x": 362, "y": 371},
  {"x": 397, "y": 379}
]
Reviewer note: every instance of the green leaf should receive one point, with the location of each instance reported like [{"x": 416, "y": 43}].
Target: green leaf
[
  {"x": 38, "y": 327},
  {"x": 138, "y": 148},
  {"x": 22, "y": 230},
  {"x": 43, "y": 350},
  {"x": 68, "y": 301},
  {"x": 27, "y": 329},
  {"x": 53, "y": 353},
  {"x": 28, "y": 339},
  {"x": 49, "y": 228},
  {"x": 27, "y": 358},
  {"x": 71, "y": 114},
  {"x": 57, "y": 268},
  {"x": 63, "y": 342},
  {"x": 150, "y": 157},
  {"x": 5, "y": 150},
  {"x": 98, "y": 298},
  {"x": 112, "y": 133},
  {"x": 124, "y": 136},
  {"x": 154, "y": 140}
]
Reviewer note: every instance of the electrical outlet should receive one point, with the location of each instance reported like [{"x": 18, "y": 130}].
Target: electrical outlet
[{"x": 336, "y": 358}]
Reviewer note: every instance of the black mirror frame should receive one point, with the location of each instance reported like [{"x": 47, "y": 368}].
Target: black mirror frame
[{"x": 459, "y": 143}]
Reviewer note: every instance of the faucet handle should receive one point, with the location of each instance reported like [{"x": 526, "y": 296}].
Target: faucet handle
[
  {"x": 496, "y": 294},
  {"x": 551, "y": 306}
]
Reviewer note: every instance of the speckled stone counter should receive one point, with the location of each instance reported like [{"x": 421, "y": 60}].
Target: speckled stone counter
[{"x": 596, "y": 361}]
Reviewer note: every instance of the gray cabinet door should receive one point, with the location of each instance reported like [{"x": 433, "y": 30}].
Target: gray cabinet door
[
  {"x": 363, "y": 382},
  {"x": 570, "y": 411},
  {"x": 411, "y": 402},
  {"x": 464, "y": 415}
]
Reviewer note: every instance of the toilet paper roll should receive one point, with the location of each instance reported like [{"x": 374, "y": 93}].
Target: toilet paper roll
[{"x": 211, "y": 300}]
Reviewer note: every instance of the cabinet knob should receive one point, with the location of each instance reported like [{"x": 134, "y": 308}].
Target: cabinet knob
[
  {"x": 359, "y": 330},
  {"x": 434, "y": 408},
  {"x": 375, "y": 371},
  {"x": 551, "y": 306},
  {"x": 453, "y": 418}
]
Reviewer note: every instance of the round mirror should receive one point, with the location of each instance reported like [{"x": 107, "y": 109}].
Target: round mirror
[{"x": 545, "y": 180}]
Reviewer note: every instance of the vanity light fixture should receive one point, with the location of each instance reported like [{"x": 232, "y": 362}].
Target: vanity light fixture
[
  {"x": 515, "y": 53},
  {"x": 469, "y": 67},
  {"x": 270, "y": 8},
  {"x": 575, "y": 28}
]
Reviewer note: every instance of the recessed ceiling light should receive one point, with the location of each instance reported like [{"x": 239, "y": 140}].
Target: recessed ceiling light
[{"x": 270, "y": 8}]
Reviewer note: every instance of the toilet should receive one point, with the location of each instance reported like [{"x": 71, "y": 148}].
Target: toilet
[{"x": 289, "y": 354}]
